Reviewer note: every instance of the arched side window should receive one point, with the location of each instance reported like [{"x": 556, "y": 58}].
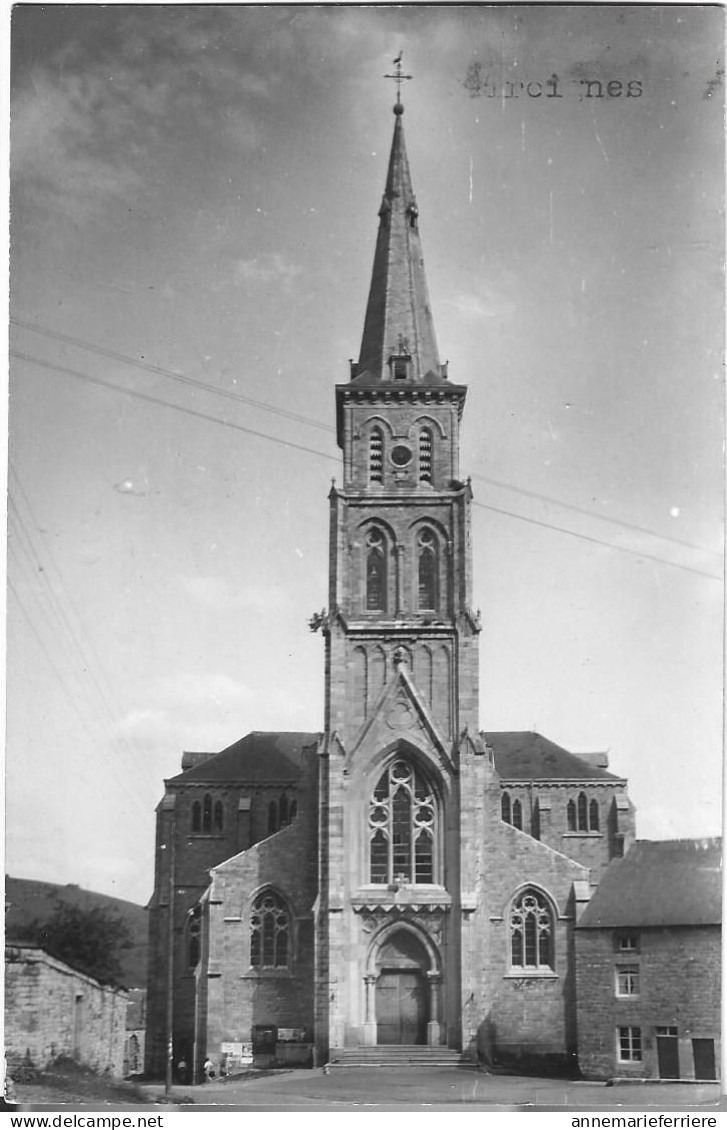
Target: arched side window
[
  {"x": 207, "y": 814},
  {"x": 505, "y": 808},
  {"x": 425, "y": 455},
  {"x": 531, "y": 932},
  {"x": 293, "y": 810},
  {"x": 219, "y": 816},
  {"x": 402, "y": 827},
  {"x": 269, "y": 932},
  {"x": 517, "y": 814},
  {"x": 283, "y": 809},
  {"x": 594, "y": 817},
  {"x": 194, "y": 926},
  {"x": 428, "y": 570},
  {"x": 375, "y": 571},
  {"x": 571, "y": 816},
  {"x": 272, "y": 817},
  {"x": 134, "y": 1055},
  {"x": 582, "y": 813},
  {"x": 376, "y": 455},
  {"x": 196, "y": 817}
]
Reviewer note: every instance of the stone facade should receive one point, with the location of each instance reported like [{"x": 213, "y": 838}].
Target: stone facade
[
  {"x": 52, "y": 1010},
  {"x": 402, "y": 877}
]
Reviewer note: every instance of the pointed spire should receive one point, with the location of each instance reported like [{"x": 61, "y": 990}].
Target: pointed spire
[{"x": 398, "y": 342}]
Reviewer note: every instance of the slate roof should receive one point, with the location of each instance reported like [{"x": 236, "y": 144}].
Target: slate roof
[
  {"x": 660, "y": 883},
  {"x": 263, "y": 755},
  {"x": 523, "y": 755}
]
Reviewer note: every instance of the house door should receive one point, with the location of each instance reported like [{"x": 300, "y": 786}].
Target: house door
[
  {"x": 401, "y": 1002},
  {"x": 705, "y": 1066},
  {"x": 667, "y": 1051}
]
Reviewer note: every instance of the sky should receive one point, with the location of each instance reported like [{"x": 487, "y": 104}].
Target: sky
[{"x": 193, "y": 217}]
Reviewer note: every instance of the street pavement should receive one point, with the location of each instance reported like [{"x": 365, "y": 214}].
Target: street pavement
[{"x": 451, "y": 1089}]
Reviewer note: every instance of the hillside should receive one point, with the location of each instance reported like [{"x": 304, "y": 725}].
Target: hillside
[{"x": 28, "y": 899}]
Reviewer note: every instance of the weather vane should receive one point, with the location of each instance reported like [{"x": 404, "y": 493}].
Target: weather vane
[{"x": 398, "y": 77}]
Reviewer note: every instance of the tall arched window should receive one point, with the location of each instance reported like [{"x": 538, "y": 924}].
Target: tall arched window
[
  {"x": 293, "y": 810},
  {"x": 428, "y": 570},
  {"x": 531, "y": 932},
  {"x": 517, "y": 814},
  {"x": 582, "y": 813},
  {"x": 425, "y": 455},
  {"x": 194, "y": 927},
  {"x": 375, "y": 571},
  {"x": 283, "y": 810},
  {"x": 196, "y": 817},
  {"x": 594, "y": 821},
  {"x": 207, "y": 814},
  {"x": 505, "y": 808},
  {"x": 571, "y": 816},
  {"x": 402, "y": 827},
  {"x": 219, "y": 816},
  {"x": 376, "y": 456},
  {"x": 269, "y": 932},
  {"x": 272, "y": 817}
]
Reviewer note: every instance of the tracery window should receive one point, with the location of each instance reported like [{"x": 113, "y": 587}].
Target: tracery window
[
  {"x": 531, "y": 932},
  {"x": 269, "y": 932},
  {"x": 402, "y": 827},
  {"x": 375, "y": 571},
  {"x": 428, "y": 569},
  {"x": 425, "y": 455},
  {"x": 376, "y": 455},
  {"x": 582, "y": 815}
]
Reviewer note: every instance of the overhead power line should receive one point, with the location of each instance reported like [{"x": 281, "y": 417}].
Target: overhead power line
[
  {"x": 243, "y": 398},
  {"x": 324, "y": 455}
]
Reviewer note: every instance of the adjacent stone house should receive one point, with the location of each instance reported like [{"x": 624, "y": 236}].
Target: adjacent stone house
[
  {"x": 53, "y": 1010},
  {"x": 648, "y": 961}
]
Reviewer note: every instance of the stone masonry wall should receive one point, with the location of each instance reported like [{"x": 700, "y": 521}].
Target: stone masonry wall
[
  {"x": 679, "y": 986},
  {"x": 51, "y": 1010}
]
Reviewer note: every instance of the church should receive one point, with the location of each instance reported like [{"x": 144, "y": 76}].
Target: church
[{"x": 401, "y": 878}]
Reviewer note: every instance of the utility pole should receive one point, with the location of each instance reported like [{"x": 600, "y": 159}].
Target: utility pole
[{"x": 170, "y": 956}]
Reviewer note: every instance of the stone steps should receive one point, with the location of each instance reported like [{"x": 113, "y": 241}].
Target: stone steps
[{"x": 395, "y": 1056}]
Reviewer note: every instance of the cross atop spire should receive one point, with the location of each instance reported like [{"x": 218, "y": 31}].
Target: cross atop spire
[{"x": 398, "y": 78}]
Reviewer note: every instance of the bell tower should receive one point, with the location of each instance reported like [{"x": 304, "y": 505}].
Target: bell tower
[{"x": 401, "y": 696}]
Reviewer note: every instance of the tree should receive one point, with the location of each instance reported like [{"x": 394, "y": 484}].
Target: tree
[{"x": 89, "y": 940}]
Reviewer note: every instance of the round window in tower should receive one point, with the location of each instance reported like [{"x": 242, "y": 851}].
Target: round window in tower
[{"x": 401, "y": 455}]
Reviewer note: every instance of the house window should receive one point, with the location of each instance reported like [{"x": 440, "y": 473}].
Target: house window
[
  {"x": 517, "y": 814},
  {"x": 425, "y": 455},
  {"x": 626, "y": 943},
  {"x": 402, "y": 827},
  {"x": 531, "y": 933},
  {"x": 269, "y": 932},
  {"x": 629, "y": 1044},
  {"x": 376, "y": 455},
  {"x": 375, "y": 571},
  {"x": 505, "y": 808},
  {"x": 428, "y": 564},
  {"x": 627, "y": 981}
]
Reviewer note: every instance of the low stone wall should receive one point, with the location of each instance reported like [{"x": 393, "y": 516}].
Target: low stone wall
[{"x": 52, "y": 1010}]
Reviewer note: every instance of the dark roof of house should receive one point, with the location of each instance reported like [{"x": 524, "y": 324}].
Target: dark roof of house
[
  {"x": 259, "y": 756},
  {"x": 660, "y": 883},
  {"x": 522, "y": 755}
]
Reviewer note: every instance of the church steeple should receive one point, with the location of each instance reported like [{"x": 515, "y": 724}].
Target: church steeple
[{"x": 399, "y": 342}]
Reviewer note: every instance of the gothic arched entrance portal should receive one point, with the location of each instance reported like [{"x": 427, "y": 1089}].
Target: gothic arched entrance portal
[{"x": 402, "y": 993}]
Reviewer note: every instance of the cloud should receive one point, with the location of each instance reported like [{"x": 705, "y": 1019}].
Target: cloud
[
  {"x": 471, "y": 307},
  {"x": 268, "y": 268}
]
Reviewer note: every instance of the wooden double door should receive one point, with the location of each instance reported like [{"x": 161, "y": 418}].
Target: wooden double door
[{"x": 401, "y": 1007}]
